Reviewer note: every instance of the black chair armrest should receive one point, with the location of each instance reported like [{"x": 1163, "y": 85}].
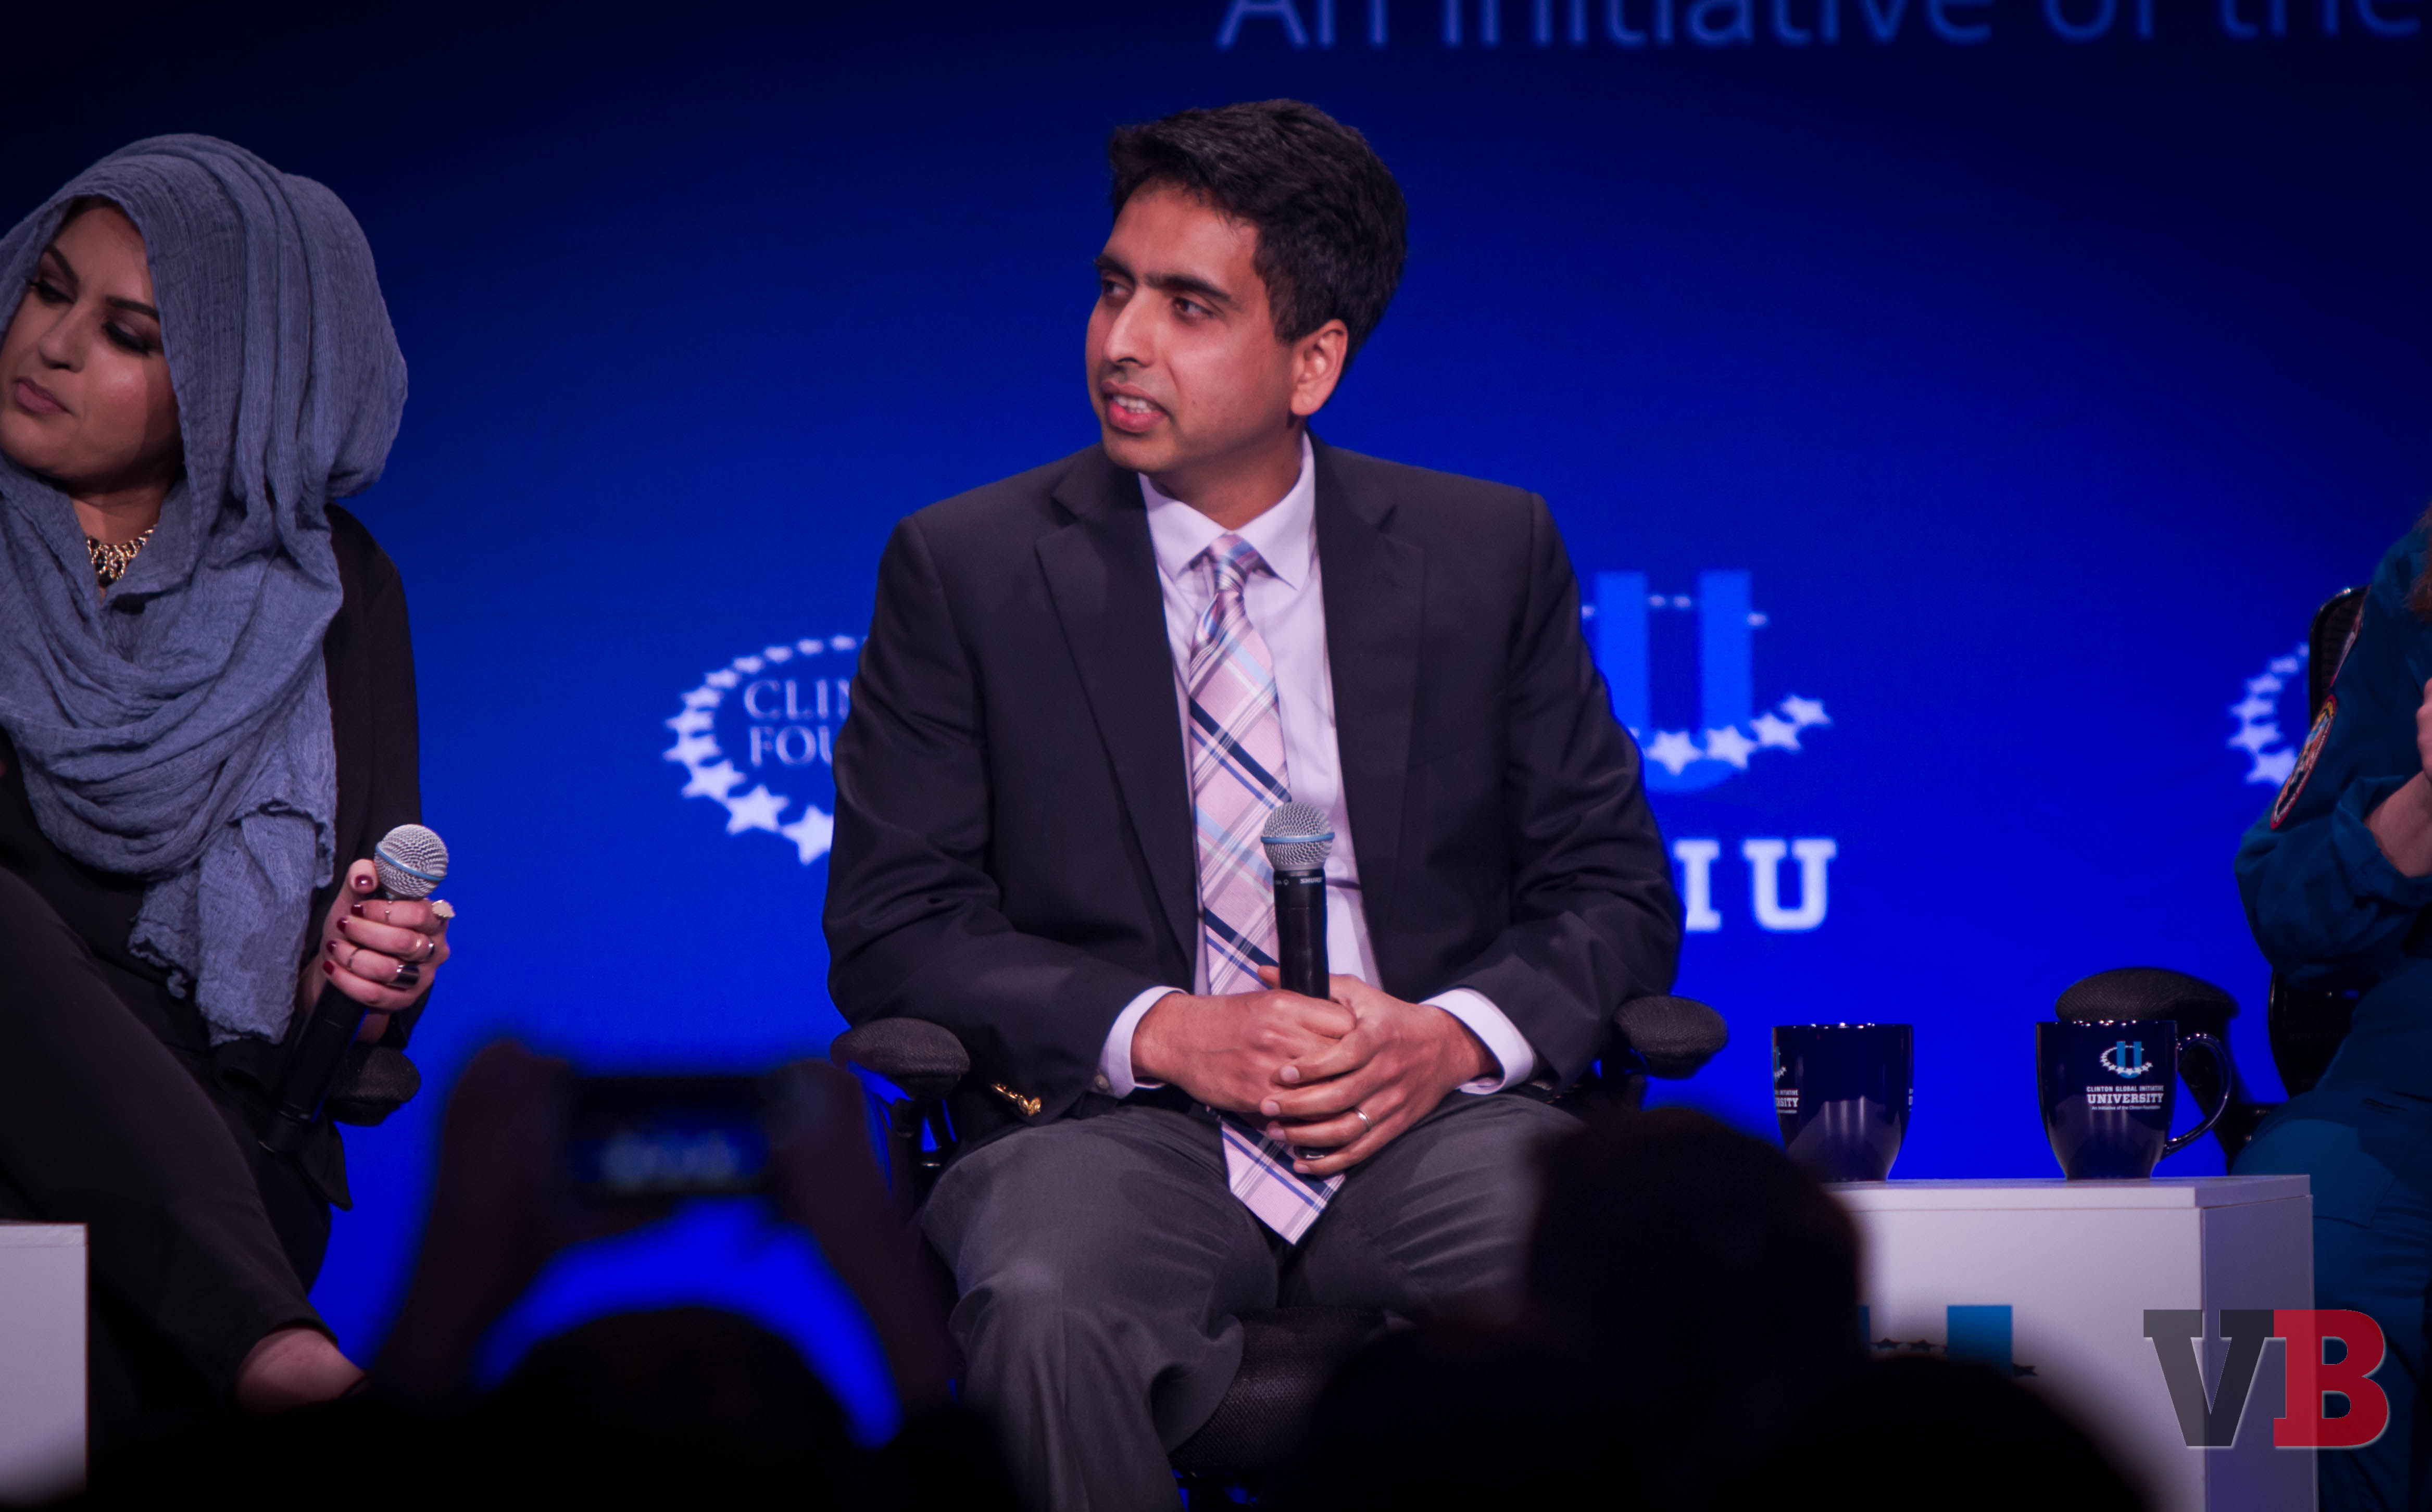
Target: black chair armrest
[
  {"x": 1674, "y": 1036},
  {"x": 923, "y": 1058},
  {"x": 1667, "y": 1037},
  {"x": 926, "y": 1062}
]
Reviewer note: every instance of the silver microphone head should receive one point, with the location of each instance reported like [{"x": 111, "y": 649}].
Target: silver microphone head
[
  {"x": 411, "y": 861},
  {"x": 1297, "y": 837}
]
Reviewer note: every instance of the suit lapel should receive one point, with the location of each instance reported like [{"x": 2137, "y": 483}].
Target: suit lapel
[
  {"x": 1102, "y": 573},
  {"x": 1375, "y": 586}
]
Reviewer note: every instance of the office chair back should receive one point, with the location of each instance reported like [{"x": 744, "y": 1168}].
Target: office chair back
[{"x": 2308, "y": 1024}]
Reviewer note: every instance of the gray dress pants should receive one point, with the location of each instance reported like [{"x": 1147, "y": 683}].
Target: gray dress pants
[{"x": 1102, "y": 1264}]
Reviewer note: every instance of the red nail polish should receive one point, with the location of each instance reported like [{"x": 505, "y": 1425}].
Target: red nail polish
[
  {"x": 329, "y": 946},
  {"x": 327, "y": 969},
  {"x": 357, "y": 911}
]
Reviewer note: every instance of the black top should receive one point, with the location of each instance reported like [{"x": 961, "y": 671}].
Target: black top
[
  {"x": 1013, "y": 836},
  {"x": 368, "y": 654}
]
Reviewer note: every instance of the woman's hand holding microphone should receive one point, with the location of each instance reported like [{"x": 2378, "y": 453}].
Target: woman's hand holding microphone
[{"x": 379, "y": 951}]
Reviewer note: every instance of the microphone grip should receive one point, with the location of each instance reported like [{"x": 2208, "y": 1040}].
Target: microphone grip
[
  {"x": 312, "y": 1067},
  {"x": 1300, "y": 933}
]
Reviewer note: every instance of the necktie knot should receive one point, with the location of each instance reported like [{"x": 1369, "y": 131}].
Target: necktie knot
[{"x": 1230, "y": 560}]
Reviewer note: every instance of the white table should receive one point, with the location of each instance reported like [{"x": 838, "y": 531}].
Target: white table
[
  {"x": 2076, "y": 1264},
  {"x": 41, "y": 1360}
]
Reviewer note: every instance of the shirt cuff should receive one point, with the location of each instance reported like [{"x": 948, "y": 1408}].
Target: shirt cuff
[
  {"x": 1114, "y": 1077},
  {"x": 1506, "y": 1044}
]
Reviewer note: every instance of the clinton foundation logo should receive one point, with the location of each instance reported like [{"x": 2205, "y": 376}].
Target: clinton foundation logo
[
  {"x": 757, "y": 738},
  {"x": 1631, "y": 625},
  {"x": 2275, "y": 704}
]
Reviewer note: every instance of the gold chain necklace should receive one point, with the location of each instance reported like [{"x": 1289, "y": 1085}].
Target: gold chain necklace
[{"x": 110, "y": 559}]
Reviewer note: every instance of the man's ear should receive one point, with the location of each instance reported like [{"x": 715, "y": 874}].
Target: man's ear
[{"x": 1317, "y": 366}]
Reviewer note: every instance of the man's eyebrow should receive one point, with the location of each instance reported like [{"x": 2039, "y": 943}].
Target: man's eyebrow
[{"x": 1183, "y": 283}]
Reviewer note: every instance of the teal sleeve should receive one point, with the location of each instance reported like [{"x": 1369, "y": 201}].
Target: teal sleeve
[{"x": 2325, "y": 905}]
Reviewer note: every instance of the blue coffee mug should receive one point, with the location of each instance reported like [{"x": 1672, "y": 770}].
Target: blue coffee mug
[
  {"x": 2108, "y": 1092},
  {"x": 1843, "y": 1093}
]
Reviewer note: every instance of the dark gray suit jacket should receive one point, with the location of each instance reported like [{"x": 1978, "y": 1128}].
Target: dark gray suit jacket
[{"x": 1014, "y": 856}]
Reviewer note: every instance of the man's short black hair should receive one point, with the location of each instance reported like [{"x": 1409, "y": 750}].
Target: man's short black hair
[{"x": 1332, "y": 228}]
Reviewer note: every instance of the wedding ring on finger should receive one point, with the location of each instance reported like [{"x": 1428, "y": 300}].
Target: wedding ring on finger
[{"x": 1365, "y": 1127}]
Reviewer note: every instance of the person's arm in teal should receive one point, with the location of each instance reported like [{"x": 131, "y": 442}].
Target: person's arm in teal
[
  {"x": 2403, "y": 824},
  {"x": 2334, "y": 876}
]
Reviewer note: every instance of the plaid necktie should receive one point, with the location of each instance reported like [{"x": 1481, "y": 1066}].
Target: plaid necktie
[{"x": 1237, "y": 775}]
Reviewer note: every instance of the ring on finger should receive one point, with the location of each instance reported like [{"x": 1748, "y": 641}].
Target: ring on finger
[
  {"x": 407, "y": 975},
  {"x": 430, "y": 949},
  {"x": 1365, "y": 1126}
]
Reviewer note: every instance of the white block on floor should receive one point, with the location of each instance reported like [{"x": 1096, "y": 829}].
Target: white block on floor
[
  {"x": 2076, "y": 1264},
  {"x": 41, "y": 1360}
]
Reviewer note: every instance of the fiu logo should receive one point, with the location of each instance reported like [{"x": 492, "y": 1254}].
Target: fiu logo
[
  {"x": 1728, "y": 729},
  {"x": 2125, "y": 1059},
  {"x": 1728, "y": 735},
  {"x": 770, "y": 717}
]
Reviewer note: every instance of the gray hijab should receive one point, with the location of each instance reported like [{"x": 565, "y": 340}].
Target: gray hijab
[{"x": 177, "y": 731}]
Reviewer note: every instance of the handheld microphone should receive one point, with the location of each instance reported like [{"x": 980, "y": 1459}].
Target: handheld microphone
[
  {"x": 1297, "y": 840},
  {"x": 411, "y": 862}
]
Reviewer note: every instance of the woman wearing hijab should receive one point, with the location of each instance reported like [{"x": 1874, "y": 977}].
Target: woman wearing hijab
[{"x": 207, "y": 718}]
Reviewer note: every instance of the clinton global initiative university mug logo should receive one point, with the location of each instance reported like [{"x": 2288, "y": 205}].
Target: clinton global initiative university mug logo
[
  {"x": 2126, "y": 1060},
  {"x": 758, "y": 739}
]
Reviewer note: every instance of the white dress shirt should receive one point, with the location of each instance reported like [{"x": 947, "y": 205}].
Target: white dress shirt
[{"x": 1288, "y": 609}]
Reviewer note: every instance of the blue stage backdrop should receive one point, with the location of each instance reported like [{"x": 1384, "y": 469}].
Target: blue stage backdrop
[{"x": 1955, "y": 407}]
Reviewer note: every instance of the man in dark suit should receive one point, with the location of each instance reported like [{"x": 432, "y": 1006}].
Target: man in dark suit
[{"x": 1084, "y": 690}]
